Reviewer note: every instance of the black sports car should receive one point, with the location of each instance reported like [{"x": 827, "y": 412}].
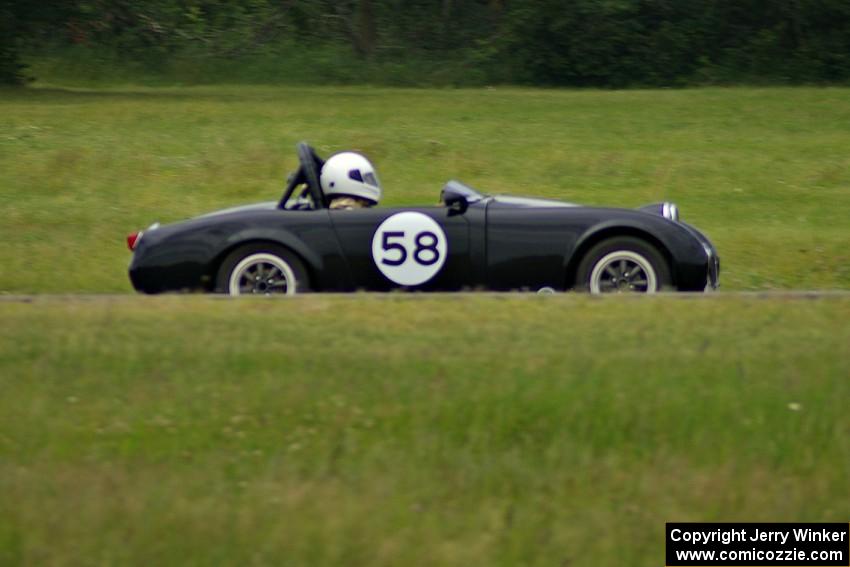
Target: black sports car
[{"x": 469, "y": 242}]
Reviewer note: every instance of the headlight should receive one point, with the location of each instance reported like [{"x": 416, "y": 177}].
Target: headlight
[{"x": 670, "y": 211}]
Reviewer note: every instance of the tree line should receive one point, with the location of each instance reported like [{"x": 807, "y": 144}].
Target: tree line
[{"x": 599, "y": 43}]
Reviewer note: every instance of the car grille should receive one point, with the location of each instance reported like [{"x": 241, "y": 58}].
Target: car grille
[{"x": 714, "y": 272}]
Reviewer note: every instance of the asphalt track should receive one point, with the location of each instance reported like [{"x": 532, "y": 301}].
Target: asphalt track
[{"x": 767, "y": 295}]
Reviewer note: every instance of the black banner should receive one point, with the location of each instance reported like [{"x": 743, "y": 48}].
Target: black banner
[{"x": 815, "y": 545}]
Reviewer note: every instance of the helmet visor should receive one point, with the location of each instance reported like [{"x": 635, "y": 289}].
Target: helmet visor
[{"x": 368, "y": 178}]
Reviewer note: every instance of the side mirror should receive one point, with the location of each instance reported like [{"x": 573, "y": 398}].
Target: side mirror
[
  {"x": 458, "y": 197},
  {"x": 457, "y": 204}
]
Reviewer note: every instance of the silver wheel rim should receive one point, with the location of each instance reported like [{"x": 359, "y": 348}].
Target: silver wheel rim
[
  {"x": 262, "y": 274},
  {"x": 623, "y": 271}
]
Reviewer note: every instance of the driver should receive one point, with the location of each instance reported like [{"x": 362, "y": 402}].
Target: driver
[{"x": 349, "y": 182}]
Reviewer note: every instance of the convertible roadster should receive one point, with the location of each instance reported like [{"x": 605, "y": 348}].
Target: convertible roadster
[{"x": 471, "y": 241}]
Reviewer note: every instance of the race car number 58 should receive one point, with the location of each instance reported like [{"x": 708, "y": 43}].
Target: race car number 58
[{"x": 409, "y": 248}]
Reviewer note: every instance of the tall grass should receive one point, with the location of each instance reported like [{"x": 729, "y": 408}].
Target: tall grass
[{"x": 408, "y": 430}]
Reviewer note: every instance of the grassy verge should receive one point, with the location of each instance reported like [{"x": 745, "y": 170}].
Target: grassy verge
[
  {"x": 409, "y": 430},
  {"x": 291, "y": 65},
  {"x": 764, "y": 172}
]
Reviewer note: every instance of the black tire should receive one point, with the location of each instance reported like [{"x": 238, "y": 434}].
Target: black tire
[
  {"x": 623, "y": 264},
  {"x": 263, "y": 258}
]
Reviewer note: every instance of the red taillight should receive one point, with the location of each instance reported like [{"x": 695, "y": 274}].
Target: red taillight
[{"x": 132, "y": 239}]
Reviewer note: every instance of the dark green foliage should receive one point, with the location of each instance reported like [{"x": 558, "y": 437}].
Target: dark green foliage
[
  {"x": 664, "y": 42},
  {"x": 611, "y": 43},
  {"x": 10, "y": 65}
]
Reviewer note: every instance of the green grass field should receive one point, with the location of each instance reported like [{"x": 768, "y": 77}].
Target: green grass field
[
  {"x": 408, "y": 429},
  {"x": 765, "y": 172},
  {"x": 513, "y": 430}
]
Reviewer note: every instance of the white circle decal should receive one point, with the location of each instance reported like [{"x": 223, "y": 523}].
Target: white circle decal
[{"x": 409, "y": 248}]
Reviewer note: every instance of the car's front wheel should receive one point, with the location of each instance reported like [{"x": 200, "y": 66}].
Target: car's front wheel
[
  {"x": 623, "y": 264},
  {"x": 260, "y": 269}
]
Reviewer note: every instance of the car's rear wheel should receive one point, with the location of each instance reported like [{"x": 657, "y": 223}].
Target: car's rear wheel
[
  {"x": 623, "y": 264},
  {"x": 261, "y": 269}
]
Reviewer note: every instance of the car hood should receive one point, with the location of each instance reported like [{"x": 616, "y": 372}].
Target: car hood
[{"x": 528, "y": 202}]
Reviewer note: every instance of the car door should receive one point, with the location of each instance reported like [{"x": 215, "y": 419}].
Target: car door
[
  {"x": 528, "y": 247},
  {"x": 423, "y": 248}
]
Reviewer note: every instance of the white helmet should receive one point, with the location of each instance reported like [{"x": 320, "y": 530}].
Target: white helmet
[{"x": 351, "y": 174}]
